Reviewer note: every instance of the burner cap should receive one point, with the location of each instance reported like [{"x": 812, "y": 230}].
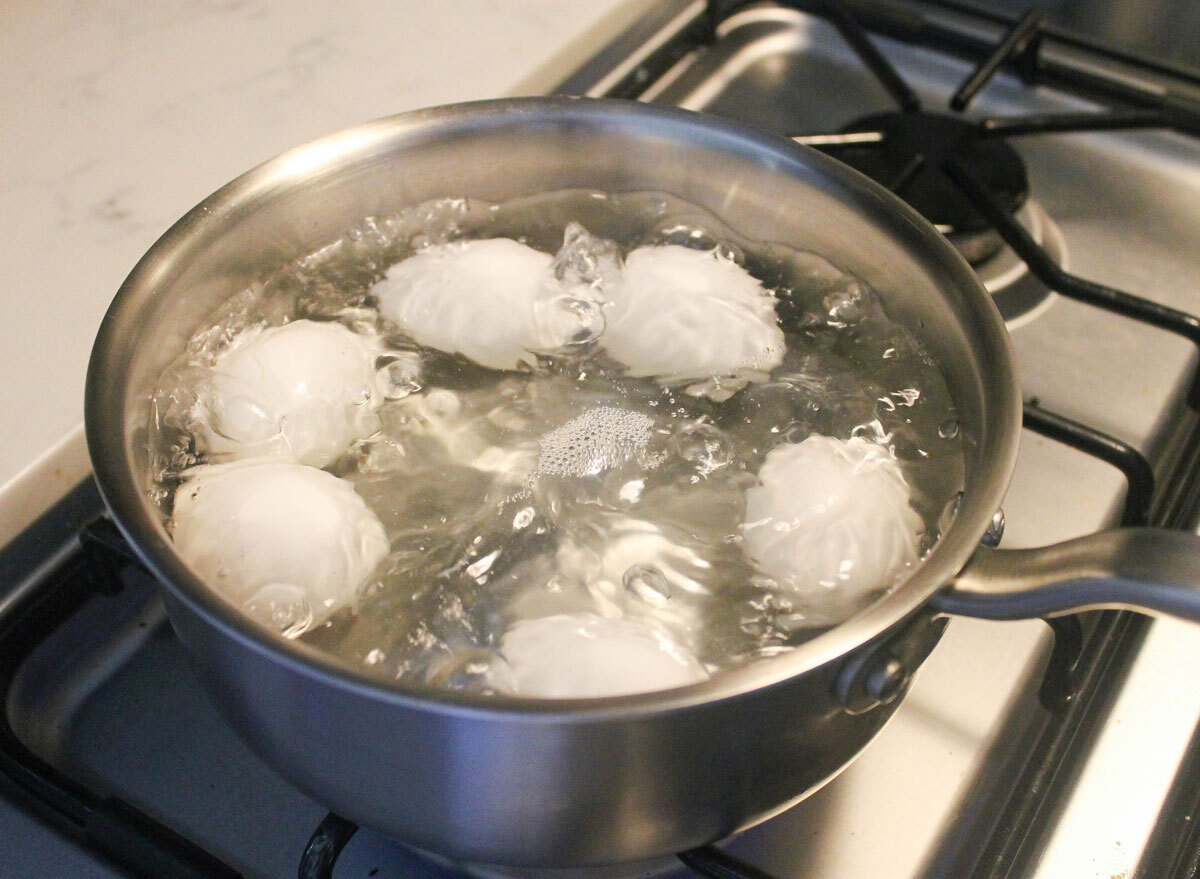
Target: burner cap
[{"x": 908, "y": 137}]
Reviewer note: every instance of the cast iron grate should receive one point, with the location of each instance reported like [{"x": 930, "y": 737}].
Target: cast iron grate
[
  {"x": 919, "y": 155},
  {"x": 108, "y": 825}
]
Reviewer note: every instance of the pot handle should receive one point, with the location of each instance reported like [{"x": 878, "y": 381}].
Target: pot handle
[{"x": 1149, "y": 570}]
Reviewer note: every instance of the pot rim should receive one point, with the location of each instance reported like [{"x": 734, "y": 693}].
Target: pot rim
[{"x": 987, "y": 477}]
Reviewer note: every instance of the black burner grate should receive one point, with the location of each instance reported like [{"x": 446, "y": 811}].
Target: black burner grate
[
  {"x": 905, "y": 152},
  {"x": 110, "y": 826},
  {"x": 961, "y": 178}
]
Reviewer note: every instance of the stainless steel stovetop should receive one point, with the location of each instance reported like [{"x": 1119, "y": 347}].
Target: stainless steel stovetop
[{"x": 973, "y": 777}]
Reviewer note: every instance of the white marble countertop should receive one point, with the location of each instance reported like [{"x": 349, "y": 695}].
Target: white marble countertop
[{"x": 118, "y": 116}]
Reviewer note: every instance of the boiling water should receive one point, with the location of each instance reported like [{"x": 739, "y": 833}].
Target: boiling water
[{"x": 565, "y": 486}]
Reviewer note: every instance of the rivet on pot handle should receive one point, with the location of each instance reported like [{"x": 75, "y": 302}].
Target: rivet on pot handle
[
  {"x": 995, "y": 530},
  {"x": 879, "y": 673},
  {"x": 1142, "y": 569}
]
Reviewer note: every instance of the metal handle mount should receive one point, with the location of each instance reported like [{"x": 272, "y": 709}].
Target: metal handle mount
[{"x": 1148, "y": 570}]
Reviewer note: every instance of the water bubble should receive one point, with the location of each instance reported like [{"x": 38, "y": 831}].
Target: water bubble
[
  {"x": 845, "y": 306},
  {"x": 441, "y": 403},
  {"x": 647, "y": 583},
  {"x": 523, "y": 518},
  {"x": 948, "y": 429},
  {"x": 687, "y": 235},
  {"x": 587, "y": 264},
  {"x": 400, "y": 376},
  {"x": 473, "y": 671},
  {"x": 949, "y": 512},
  {"x": 569, "y": 321},
  {"x": 244, "y": 420},
  {"x": 281, "y": 607},
  {"x": 703, "y": 445}
]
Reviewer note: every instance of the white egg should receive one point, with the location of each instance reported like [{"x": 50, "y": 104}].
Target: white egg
[
  {"x": 831, "y": 522},
  {"x": 582, "y": 655},
  {"x": 681, "y": 315},
  {"x": 302, "y": 392},
  {"x": 288, "y": 543},
  {"x": 475, "y": 298}
]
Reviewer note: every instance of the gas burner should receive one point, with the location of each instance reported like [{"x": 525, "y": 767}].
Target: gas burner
[
  {"x": 1018, "y": 293},
  {"x": 904, "y": 152}
]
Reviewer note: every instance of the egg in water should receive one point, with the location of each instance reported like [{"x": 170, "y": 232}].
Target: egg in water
[
  {"x": 485, "y": 299},
  {"x": 583, "y": 655},
  {"x": 685, "y": 315},
  {"x": 830, "y": 521},
  {"x": 289, "y": 544},
  {"x": 301, "y": 392}
]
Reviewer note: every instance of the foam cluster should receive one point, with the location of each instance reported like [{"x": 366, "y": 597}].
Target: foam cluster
[{"x": 601, "y": 438}]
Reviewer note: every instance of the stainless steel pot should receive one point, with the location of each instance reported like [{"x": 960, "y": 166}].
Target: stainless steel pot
[{"x": 528, "y": 782}]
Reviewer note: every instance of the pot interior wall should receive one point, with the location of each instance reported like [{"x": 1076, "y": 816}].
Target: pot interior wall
[{"x": 307, "y": 198}]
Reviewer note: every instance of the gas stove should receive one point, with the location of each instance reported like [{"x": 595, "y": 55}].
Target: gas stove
[{"x": 1069, "y": 174}]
